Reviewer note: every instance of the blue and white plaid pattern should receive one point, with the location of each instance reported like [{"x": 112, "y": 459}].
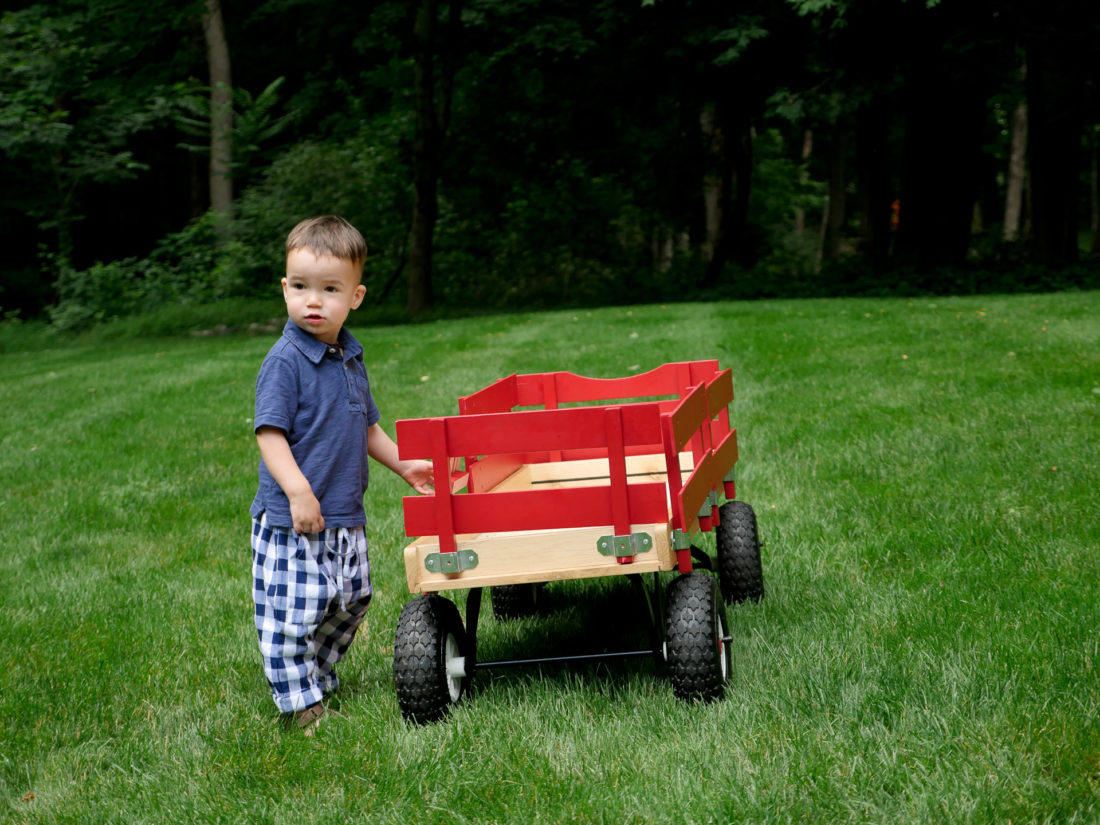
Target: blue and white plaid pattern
[{"x": 311, "y": 592}]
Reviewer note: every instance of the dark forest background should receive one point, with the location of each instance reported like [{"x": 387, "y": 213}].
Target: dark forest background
[{"x": 536, "y": 153}]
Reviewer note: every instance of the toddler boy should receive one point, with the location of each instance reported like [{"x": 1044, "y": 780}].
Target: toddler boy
[{"x": 316, "y": 422}]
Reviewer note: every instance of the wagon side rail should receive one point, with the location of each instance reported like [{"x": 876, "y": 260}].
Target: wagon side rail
[
  {"x": 609, "y": 430},
  {"x": 668, "y": 382},
  {"x": 495, "y": 444},
  {"x": 701, "y": 419},
  {"x": 549, "y": 390}
]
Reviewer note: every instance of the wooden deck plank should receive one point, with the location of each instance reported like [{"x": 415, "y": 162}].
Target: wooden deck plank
[{"x": 522, "y": 557}]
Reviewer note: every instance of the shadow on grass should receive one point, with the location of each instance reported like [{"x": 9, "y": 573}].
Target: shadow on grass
[{"x": 597, "y": 617}]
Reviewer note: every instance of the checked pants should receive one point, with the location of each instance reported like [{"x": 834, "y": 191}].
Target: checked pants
[{"x": 311, "y": 592}]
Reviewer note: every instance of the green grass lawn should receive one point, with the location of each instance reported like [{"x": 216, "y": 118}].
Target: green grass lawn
[{"x": 925, "y": 474}]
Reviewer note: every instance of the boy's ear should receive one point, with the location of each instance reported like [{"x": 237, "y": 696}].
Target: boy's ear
[{"x": 357, "y": 299}]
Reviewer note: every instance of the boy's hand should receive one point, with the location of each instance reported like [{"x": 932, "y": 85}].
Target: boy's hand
[
  {"x": 417, "y": 473},
  {"x": 305, "y": 509},
  {"x": 420, "y": 476},
  {"x": 305, "y": 512}
]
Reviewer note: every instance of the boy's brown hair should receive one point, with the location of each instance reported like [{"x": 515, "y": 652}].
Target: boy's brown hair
[{"x": 328, "y": 235}]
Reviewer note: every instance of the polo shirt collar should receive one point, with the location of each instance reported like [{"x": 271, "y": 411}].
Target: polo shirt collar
[{"x": 314, "y": 349}]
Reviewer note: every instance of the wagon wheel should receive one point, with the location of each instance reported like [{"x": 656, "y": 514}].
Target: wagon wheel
[
  {"x": 698, "y": 652},
  {"x": 514, "y": 601},
  {"x": 429, "y": 658},
  {"x": 739, "y": 569}
]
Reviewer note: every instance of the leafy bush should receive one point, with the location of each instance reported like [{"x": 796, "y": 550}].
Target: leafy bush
[
  {"x": 212, "y": 259},
  {"x": 780, "y": 189},
  {"x": 186, "y": 268},
  {"x": 363, "y": 179},
  {"x": 568, "y": 239}
]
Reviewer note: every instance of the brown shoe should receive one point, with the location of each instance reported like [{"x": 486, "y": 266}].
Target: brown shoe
[{"x": 307, "y": 720}]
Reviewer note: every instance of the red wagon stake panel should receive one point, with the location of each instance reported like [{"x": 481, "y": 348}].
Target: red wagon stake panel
[{"x": 558, "y": 493}]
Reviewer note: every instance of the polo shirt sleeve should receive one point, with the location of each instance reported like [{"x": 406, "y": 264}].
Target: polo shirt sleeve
[
  {"x": 276, "y": 394},
  {"x": 371, "y": 409}
]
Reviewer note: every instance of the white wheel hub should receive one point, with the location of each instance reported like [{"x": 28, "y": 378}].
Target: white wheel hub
[{"x": 455, "y": 664}]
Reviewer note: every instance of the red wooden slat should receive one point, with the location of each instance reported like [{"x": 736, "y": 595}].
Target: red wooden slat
[
  {"x": 534, "y": 431},
  {"x": 688, "y": 415},
  {"x": 535, "y": 509},
  {"x": 442, "y": 499},
  {"x": 488, "y": 472},
  {"x": 531, "y": 389},
  {"x": 725, "y": 455},
  {"x": 702, "y": 370},
  {"x": 672, "y": 470},
  {"x": 600, "y": 452},
  {"x": 576, "y": 388},
  {"x": 693, "y": 494},
  {"x": 550, "y": 402},
  {"x": 720, "y": 392},
  {"x": 641, "y": 424},
  {"x": 616, "y": 460},
  {"x": 500, "y": 396},
  {"x": 414, "y": 437}
]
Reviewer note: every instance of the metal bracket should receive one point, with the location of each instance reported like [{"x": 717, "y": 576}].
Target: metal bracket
[
  {"x": 680, "y": 540},
  {"x": 625, "y": 546},
  {"x": 454, "y": 562},
  {"x": 710, "y": 502}
]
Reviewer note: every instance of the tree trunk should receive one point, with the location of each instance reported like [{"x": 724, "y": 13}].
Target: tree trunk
[
  {"x": 1014, "y": 182},
  {"x": 727, "y": 184},
  {"x": 425, "y": 159},
  {"x": 1056, "y": 87},
  {"x": 1094, "y": 191},
  {"x": 715, "y": 188},
  {"x": 221, "y": 108},
  {"x": 432, "y": 120},
  {"x": 940, "y": 168},
  {"x": 832, "y": 222},
  {"x": 873, "y": 175},
  {"x": 803, "y": 176}
]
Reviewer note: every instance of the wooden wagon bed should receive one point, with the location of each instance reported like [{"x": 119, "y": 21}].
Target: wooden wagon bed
[{"x": 556, "y": 476}]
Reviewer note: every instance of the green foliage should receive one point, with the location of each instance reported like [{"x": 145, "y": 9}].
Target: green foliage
[
  {"x": 362, "y": 178},
  {"x": 256, "y": 123},
  {"x": 359, "y": 178},
  {"x": 572, "y": 171},
  {"x": 736, "y": 41},
  {"x": 66, "y": 116},
  {"x": 578, "y": 259},
  {"x": 185, "y": 268},
  {"x": 781, "y": 188}
]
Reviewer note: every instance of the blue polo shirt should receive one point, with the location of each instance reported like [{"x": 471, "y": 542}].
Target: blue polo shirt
[{"x": 321, "y": 399}]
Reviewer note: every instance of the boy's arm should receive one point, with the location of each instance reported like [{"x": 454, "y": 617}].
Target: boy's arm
[
  {"x": 305, "y": 509},
  {"x": 383, "y": 449}
]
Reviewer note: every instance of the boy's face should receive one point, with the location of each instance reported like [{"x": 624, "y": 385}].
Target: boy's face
[{"x": 320, "y": 292}]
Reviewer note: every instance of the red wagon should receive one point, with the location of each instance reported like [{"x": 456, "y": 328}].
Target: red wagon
[{"x": 555, "y": 476}]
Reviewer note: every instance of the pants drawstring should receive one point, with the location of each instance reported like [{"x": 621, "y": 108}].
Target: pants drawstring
[{"x": 338, "y": 542}]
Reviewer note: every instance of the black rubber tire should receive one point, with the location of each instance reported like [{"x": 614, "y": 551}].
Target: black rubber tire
[
  {"x": 514, "y": 601},
  {"x": 699, "y": 659},
  {"x": 429, "y": 638},
  {"x": 740, "y": 572}
]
